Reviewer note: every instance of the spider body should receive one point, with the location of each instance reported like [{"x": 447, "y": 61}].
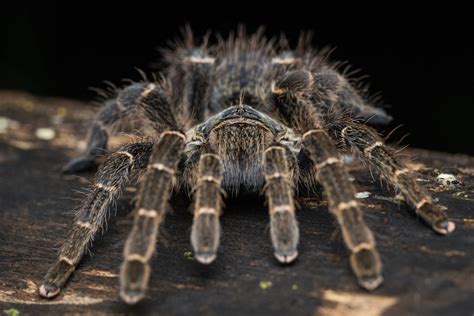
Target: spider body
[
  {"x": 239, "y": 135},
  {"x": 245, "y": 115}
]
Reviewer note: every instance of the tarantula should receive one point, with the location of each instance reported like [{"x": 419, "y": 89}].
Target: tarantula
[{"x": 247, "y": 114}]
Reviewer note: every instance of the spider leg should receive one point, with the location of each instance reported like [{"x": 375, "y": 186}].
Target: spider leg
[
  {"x": 367, "y": 143},
  {"x": 279, "y": 193},
  {"x": 208, "y": 204},
  {"x": 334, "y": 90},
  {"x": 197, "y": 68},
  {"x": 110, "y": 181},
  {"x": 150, "y": 96},
  {"x": 290, "y": 95},
  {"x": 365, "y": 260},
  {"x": 150, "y": 210},
  {"x": 190, "y": 71}
]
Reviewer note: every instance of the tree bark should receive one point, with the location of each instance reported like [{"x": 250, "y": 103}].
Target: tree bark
[{"x": 425, "y": 274}]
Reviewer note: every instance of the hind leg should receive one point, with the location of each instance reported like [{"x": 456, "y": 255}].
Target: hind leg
[
  {"x": 112, "y": 113},
  {"x": 190, "y": 71}
]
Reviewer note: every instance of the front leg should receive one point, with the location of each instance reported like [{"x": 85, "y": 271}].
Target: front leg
[
  {"x": 205, "y": 233},
  {"x": 150, "y": 210},
  {"x": 365, "y": 260},
  {"x": 291, "y": 96},
  {"x": 110, "y": 181},
  {"x": 279, "y": 191}
]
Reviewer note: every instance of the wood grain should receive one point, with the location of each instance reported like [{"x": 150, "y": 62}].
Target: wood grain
[{"x": 425, "y": 274}]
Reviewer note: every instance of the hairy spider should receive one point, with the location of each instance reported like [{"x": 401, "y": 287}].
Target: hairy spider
[{"x": 247, "y": 114}]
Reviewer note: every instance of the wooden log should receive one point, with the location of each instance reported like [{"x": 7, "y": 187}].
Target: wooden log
[{"x": 425, "y": 274}]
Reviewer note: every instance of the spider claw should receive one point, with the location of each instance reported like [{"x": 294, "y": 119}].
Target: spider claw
[
  {"x": 79, "y": 164},
  {"x": 370, "y": 283},
  {"x": 205, "y": 258},
  {"x": 134, "y": 276},
  {"x": 131, "y": 297},
  {"x": 367, "y": 267},
  {"x": 48, "y": 290},
  {"x": 284, "y": 233},
  {"x": 444, "y": 227},
  {"x": 205, "y": 235},
  {"x": 287, "y": 257}
]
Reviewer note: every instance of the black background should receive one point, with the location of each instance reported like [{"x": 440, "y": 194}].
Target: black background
[{"x": 420, "y": 57}]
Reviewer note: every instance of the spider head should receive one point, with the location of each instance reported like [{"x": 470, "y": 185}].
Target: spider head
[{"x": 239, "y": 135}]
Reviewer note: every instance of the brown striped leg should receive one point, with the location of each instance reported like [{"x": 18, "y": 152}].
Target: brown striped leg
[
  {"x": 291, "y": 96},
  {"x": 153, "y": 101},
  {"x": 110, "y": 181},
  {"x": 371, "y": 147},
  {"x": 335, "y": 91},
  {"x": 190, "y": 68},
  {"x": 150, "y": 210},
  {"x": 284, "y": 62},
  {"x": 197, "y": 68},
  {"x": 279, "y": 194},
  {"x": 365, "y": 260},
  {"x": 208, "y": 203}
]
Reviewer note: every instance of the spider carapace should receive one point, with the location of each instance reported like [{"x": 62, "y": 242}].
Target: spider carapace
[{"x": 247, "y": 113}]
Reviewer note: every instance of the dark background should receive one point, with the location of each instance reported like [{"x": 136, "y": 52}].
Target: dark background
[{"x": 420, "y": 58}]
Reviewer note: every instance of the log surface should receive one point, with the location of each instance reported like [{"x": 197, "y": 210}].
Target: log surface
[{"x": 425, "y": 274}]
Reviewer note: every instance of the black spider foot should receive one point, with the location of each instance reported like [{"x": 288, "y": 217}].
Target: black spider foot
[
  {"x": 444, "y": 227},
  {"x": 79, "y": 164},
  {"x": 48, "y": 290},
  {"x": 367, "y": 268},
  {"x": 205, "y": 235},
  {"x": 134, "y": 276},
  {"x": 132, "y": 296},
  {"x": 434, "y": 216},
  {"x": 285, "y": 235},
  {"x": 55, "y": 279}
]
